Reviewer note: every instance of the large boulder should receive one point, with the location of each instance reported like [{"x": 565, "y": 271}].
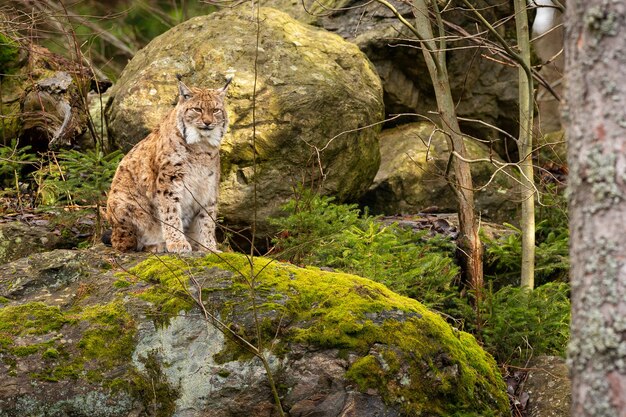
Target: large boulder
[
  {"x": 316, "y": 99},
  {"x": 108, "y": 335},
  {"x": 482, "y": 86},
  {"x": 411, "y": 178}
]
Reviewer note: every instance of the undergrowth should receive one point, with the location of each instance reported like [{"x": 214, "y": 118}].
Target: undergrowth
[
  {"x": 319, "y": 233},
  {"x": 68, "y": 186},
  {"x": 77, "y": 177},
  {"x": 513, "y": 323},
  {"x": 504, "y": 255}
]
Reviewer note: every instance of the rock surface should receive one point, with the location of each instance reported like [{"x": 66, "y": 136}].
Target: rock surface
[
  {"x": 549, "y": 387},
  {"x": 316, "y": 95},
  {"x": 110, "y": 335},
  {"x": 411, "y": 178},
  {"x": 18, "y": 239},
  {"x": 483, "y": 88}
]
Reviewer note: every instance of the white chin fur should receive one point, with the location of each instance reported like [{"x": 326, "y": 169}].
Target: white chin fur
[{"x": 212, "y": 137}]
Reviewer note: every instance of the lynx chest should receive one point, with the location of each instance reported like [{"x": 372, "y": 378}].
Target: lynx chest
[{"x": 200, "y": 178}]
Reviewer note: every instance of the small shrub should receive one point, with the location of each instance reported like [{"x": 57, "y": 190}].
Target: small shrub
[
  {"x": 77, "y": 177},
  {"x": 520, "y": 323},
  {"x": 504, "y": 255}
]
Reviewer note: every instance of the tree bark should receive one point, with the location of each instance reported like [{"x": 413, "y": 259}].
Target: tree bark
[{"x": 595, "y": 118}]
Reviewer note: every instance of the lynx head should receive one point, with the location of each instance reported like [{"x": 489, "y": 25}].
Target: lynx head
[{"x": 201, "y": 115}]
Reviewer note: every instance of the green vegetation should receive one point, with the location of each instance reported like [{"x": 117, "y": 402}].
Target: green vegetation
[
  {"x": 503, "y": 258},
  {"x": 511, "y": 322},
  {"x": 106, "y": 343},
  {"x": 77, "y": 177},
  {"x": 320, "y": 233},
  {"x": 15, "y": 161},
  {"x": 9, "y": 53},
  {"x": 520, "y": 323},
  {"x": 171, "y": 295}
]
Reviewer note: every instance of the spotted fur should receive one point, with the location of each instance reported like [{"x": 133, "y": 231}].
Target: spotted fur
[{"x": 164, "y": 193}]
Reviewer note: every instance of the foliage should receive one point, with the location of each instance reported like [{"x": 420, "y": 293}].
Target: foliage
[
  {"x": 513, "y": 322},
  {"x": 106, "y": 33},
  {"x": 77, "y": 177},
  {"x": 520, "y": 322},
  {"x": 504, "y": 255},
  {"x": 317, "y": 232},
  {"x": 13, "y": 159},
  {"x": 311, "y": 220}
]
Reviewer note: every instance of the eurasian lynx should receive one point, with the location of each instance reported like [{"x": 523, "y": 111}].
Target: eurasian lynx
[{"x": 164, "y": 193}]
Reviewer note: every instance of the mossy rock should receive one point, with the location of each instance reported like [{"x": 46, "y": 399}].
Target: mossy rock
[
  {"x": 412, "y": 176},
  {"x": 129, "y": 327},
  {"x": 314, "y": 92},
  {"x": 18, "y": 240}
]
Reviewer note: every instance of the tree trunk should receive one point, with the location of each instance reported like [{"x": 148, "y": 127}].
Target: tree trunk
[
  {"x": 470, "y": 246},
  {"x": 525, "y": 145},
  {"x": 595, "y": 118}
]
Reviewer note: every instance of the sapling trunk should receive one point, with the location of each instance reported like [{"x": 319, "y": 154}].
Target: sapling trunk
[
  {"x": 524, "y": 144},
  {"x": 469, "y": 243}
]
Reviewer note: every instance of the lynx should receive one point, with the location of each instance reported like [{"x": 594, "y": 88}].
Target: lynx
[{"x": 164, "y": 193}]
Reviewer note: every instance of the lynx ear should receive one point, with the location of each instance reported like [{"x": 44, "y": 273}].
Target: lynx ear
[
  {"x": 229, "y": 78},
  {"x": 183, "y": 91}
]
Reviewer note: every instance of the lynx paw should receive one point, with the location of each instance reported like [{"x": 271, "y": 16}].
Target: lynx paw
[
  {"x": 178, "y": 247},
  {"x": 208, "y": 246}
]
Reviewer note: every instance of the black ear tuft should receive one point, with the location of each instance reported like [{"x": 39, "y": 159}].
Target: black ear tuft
[
  {"x": 229, "y": 79},
  {"x": 183, "y": 91},
  {"x": 179, "y": 77}
]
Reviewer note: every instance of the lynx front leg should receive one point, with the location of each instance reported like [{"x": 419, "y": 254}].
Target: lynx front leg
[
  {"x": 202, "y": 231},
  {"x": 172, "y": 225}
]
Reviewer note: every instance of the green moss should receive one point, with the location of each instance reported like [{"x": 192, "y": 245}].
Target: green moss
[
  {"x": 107, "y": 341},
  {"x": 122, "y": 283},
  {"x": 25, "y": 350},
  {"x": 31, "y": 319},
  {"x": 110, "y": 336},
  {"x": 50, "y": 353},
  {"x": 9, "y": 54},
  {"x": 409, "y": 354},
  {"x": 171, "y": 296}
]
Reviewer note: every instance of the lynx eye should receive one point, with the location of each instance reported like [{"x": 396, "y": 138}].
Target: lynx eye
[
  {"x": 196, "y": 109},
  {"x": 217, "y": 111}
]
